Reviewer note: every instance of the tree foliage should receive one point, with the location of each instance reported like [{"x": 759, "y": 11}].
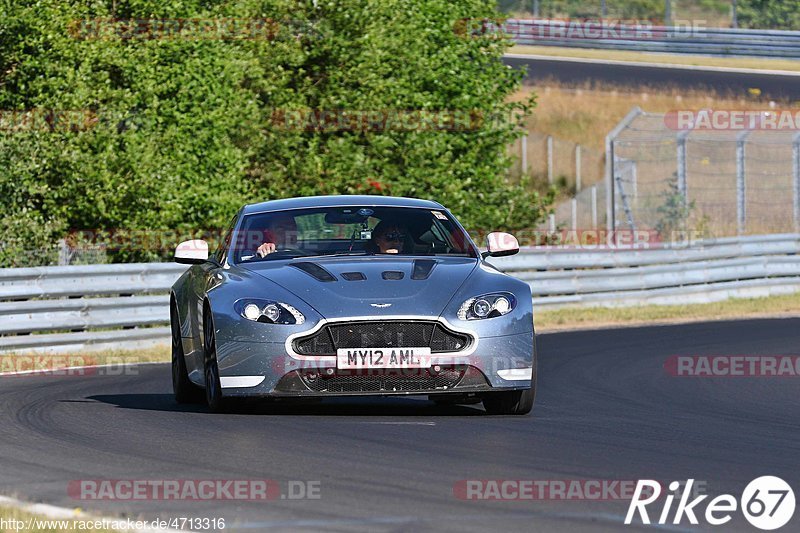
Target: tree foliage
[
  {"x": 183, "y": 130},
  {"x": 769, "y": 14}
]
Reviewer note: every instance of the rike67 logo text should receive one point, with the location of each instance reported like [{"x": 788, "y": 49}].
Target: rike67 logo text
[{"x": 767, "y": 503}]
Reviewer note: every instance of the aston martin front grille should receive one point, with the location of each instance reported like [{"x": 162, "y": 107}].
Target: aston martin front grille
[
  {"x": 386, "y": 382},
  {"x": 388, "y": 334}
]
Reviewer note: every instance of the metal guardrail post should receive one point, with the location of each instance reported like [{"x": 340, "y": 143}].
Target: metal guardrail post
[
  {"x": 610, "y": 139},
  {"x": 796, "y": 181},
  {"x": 594, "y": 206},
  {"x": 741, "y": 194}
]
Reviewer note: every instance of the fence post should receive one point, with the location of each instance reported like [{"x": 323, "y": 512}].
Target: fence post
[
  {"x": 796, "y": 181},
  {"x": 578, "y": 179},
  {"x": 682, "y": 184},
  {"x": 524, "y": 149},
  {"x": 610, "y": 138},
  {"x": 64, "y": 255},
  {"x": 741, "y": 195},
  {"x": 594, "y": 206},
  {"x": 550, "y": 159},
  {"x": 551, "y": 219},
  {"x": 574, "y": 206}
]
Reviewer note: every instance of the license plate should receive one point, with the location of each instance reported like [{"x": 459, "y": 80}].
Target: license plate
[{"x": 355, "y": 358}]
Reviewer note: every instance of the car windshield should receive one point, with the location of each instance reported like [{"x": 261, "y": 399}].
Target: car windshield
[{"x": 350, "y": 230}]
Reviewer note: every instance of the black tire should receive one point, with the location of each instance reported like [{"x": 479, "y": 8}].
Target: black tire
[
  {"x": 515, "y": 402},
  {"x": 214, "y": 398},
  {"x": 184, "y": 390}
]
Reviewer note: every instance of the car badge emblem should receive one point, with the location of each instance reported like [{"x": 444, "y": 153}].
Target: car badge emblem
[{"x": 381, "y": 306}]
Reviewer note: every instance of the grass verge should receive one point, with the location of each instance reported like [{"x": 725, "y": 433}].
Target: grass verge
[
  {"x": 755, "y": 63},
  {"x": 32, "y": 362},
  {"x": 602, "y": 317},
  {"x": 16, "y": 520}
]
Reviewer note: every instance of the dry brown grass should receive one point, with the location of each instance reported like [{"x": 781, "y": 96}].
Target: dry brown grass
[
  {"x": 584, "y": 115},
  {"x": 600, "y": 317}
]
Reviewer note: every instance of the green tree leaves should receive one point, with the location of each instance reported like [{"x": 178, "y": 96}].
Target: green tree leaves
[
  {"x": 184, "y": 129},
  {"x": 769, "y": 14}
]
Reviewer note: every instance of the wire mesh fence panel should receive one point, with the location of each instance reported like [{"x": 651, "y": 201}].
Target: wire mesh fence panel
[
  {"x": 768, "y": 183},
  {"x": 716, "y": 181},
  {"x": 645, "y": 173},
  {"x": 711, "y": 181}
]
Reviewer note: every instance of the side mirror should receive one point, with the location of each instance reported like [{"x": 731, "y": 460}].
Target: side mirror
[
  {"x": 500, "y": 244},
  {"x": 192, "y": 252}
]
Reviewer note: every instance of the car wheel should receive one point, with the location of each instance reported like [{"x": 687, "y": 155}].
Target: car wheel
[
  {"x": 184, "y": 390},
  {"x": 515, "y": 402},
  {"x": 214, "y": 398}
]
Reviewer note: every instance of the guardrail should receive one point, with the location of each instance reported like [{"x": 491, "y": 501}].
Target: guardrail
[
  {"x": 648, "y": 38},
  {"x": 126, "y": 305}
]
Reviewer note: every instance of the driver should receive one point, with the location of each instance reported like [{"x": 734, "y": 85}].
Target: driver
[
  {"x": 280, "y": 233},
  {"x": 387, "y": 238}
]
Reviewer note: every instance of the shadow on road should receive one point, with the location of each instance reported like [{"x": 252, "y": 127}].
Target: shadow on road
[{"x": 327, "y": 407}]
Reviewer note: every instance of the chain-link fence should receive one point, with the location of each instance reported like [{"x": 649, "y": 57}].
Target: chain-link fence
[
  {"x": 723, "y": 180},
  {"x": 574, "y": 170}
]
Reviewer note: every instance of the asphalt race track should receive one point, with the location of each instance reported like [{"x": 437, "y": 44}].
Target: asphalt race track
[
  {"x": 606, "y": 409},
  {"x": 778, "y": 87}
]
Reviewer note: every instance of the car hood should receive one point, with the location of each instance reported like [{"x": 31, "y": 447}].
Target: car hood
[{"x": 339, "y": 287}]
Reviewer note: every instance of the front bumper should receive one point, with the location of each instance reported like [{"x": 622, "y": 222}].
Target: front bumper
[{"x": 265, "y": 369}]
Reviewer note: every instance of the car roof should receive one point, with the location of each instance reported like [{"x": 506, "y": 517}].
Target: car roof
[{"x": 339, "y": 201}]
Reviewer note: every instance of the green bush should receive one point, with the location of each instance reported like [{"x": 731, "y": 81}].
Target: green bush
[
  {"x": 769, "y": 14},
  {"x": 183, "y": 131}
]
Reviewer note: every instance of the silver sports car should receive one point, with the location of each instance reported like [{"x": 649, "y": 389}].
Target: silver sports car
[{"x": 351, "y": 295}]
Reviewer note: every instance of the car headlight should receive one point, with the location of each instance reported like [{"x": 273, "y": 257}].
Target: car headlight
[
  {"x": 487, "y": 306},
  {"x": 268, "y": 311}
]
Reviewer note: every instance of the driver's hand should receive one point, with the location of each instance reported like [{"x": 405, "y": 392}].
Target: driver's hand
[{"x": 266, "y": 248}]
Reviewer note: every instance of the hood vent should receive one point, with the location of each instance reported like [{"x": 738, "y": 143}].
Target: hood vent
[
  {"x": 392, "y": 275},
  {"x": 353, "y": 276},
  {"x": 314, "y": 270},
  {"x": 422, "y": 268}
]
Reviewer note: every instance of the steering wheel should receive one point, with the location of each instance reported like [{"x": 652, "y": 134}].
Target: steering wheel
[{"x": 285, "y": 253}]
